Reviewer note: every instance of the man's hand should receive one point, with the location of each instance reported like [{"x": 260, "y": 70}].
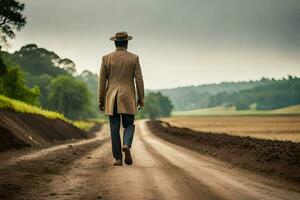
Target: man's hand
[
  {"x": 101, "y": 106},
  {"x": 140, "y": 104}
]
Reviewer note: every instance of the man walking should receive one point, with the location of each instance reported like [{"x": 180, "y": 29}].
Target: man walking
[{"x": 120, "y": 72}]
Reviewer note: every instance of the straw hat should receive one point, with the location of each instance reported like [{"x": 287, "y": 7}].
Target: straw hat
[{"x": 121, "y": 36}]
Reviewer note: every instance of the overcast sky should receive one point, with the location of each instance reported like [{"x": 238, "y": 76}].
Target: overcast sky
[{"x": 179, "y": 42}]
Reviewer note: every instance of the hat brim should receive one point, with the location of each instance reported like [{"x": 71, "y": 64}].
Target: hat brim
[{"x": 115, "y": 39}]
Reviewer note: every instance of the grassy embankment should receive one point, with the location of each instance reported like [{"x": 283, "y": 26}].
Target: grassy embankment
[
  {"x": 19, "y": 106},
  {"x": 226, "y": 111}
]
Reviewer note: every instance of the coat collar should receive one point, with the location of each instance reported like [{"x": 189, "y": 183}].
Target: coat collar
[{"x": 121, "y": 49}]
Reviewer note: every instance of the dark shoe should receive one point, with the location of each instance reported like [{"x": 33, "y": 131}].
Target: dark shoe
[
  {"x": 128, "y": 158},
  {"x": 118, "y": 162}
]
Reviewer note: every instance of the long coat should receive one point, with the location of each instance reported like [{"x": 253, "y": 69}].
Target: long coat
[{"x": 119, "y": 73}]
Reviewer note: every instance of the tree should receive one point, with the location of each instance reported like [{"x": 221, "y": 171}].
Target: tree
[
  {"x": 69, "y": 96},
  {"x": 165, "y": 105},
  {"x": 44, "y": 83},
  {"x": 91, "y": 80},
  {"x": 68, "y": 65},
  {"x": 12, "y": 85},
  {"x": 151, "y": 108},
  {"x": 3, "y": 68},
  {"x": 38, "y": 61},
  {"x": 156, "y": 105},
  {"x": 11, "y": 18}
]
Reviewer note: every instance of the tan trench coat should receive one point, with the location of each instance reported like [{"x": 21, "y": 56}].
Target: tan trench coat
[{"x": 119, "y": 73}]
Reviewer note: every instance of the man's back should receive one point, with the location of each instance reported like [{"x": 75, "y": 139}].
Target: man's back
[
  {"x": 121, "y": 66},
  {"x": 119, "y": 69}
]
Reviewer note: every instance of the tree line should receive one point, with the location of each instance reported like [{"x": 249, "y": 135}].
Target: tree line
[
  {"x": 197, "y": 97},
  {"x": 275, "y": 94},
  {"x": 40, "y": 77},
  {"x": 264, "y": 94}
]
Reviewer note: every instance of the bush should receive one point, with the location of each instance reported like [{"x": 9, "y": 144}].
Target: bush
[
  {"x": 156, "y": 105},
  {"x": 12, "y": 84},
  {"x": 69, "y": 96}
]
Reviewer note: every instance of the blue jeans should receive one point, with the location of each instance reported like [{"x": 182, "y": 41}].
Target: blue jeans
[{"x": 128, "y": 125}]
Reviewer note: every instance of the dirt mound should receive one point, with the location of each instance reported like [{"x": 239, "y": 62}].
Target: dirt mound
[
  {"x": 21, "y": 129},
  {"x": 275, "y": 158},
  {"x": 8, "y": 140}
]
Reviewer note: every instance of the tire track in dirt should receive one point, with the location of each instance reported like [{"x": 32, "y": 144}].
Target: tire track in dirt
[
  {"x": 221, "y": 178},
  {"x": 28, "y": 175},
  {"x": 183, "y": 182},
  {"x": 150, "y": 177},
  {"x": 72, "y": 184}
]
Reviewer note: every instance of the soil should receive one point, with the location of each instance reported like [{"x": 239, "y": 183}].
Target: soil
[
  {"x": 160, "y": 170},
  {"x": 8, "y": 140},
  {"x": 29, "y": 172},
  {"x": 280, "y": 159},
  {"x": 19, "y": 130}
]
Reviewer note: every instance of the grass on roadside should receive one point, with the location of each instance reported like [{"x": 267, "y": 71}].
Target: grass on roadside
[
  {"x": 84, "y": 125},
  {"x": 19, "y": 106}
]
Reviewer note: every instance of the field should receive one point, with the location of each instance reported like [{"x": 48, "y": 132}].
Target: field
[
  {"x": 267, "y": 127},
  {"x": 221, "y": 110}
]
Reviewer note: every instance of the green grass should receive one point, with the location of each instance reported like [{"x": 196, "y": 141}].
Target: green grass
[
  {"x": 221, "y": 110},
  {"x": 87, "y": 125},
  {"x": 84, "y": 125},
  {"x": 19, "y": 106}
]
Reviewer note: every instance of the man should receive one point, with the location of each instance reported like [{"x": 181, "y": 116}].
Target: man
[{"x": 117, "y": 94}]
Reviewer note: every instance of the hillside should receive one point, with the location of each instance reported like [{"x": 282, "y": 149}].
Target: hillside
[
  {"x": 265, "y": 94},
  {"x": 276, "y": 94},
  {"x": 195, "y": 97}
]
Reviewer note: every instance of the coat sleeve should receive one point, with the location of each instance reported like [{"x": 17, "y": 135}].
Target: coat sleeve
[
  {"x": 139, "y": 79},
  {"x": 103, "y": 77}
]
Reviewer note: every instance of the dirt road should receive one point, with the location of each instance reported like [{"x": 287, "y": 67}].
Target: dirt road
[{"x": 161, "y": 170}]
